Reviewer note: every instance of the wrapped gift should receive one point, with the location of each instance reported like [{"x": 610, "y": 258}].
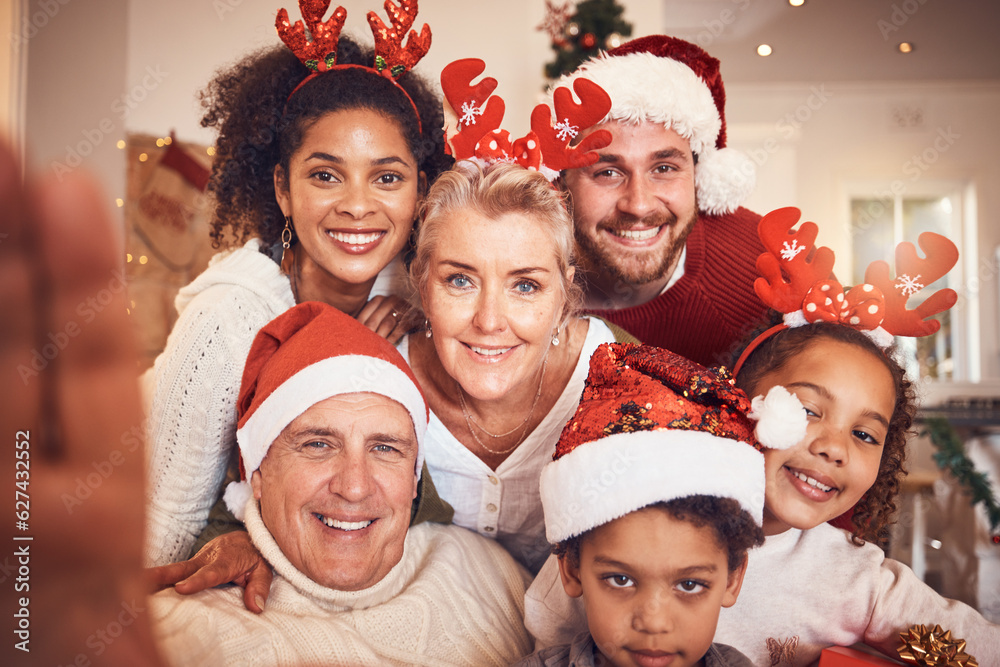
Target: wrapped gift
[{"x": 842, "y": 656}]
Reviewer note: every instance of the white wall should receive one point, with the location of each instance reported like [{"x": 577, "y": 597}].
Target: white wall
[
  {"x": 190, "y": 39},
  {"x": 812, "y": 139}
]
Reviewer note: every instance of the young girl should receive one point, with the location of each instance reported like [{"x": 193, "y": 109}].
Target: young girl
[{"x": 811, "y": 585}]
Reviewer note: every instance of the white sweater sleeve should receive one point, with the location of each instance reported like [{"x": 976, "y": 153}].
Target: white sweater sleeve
[
  {"x": 903, "y": 601},
  {"x": 191, "y": 424}
]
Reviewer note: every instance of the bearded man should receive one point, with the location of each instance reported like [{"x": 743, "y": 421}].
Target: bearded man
[{"x": 665, "y": 250}]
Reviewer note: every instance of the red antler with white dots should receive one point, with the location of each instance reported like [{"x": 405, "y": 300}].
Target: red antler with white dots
[
  {"x": 912, "y": 275},
  {"x": 571, "y": 119},
  {"x": 789, "y": 253},
  {"x": 474, "y": 115}
]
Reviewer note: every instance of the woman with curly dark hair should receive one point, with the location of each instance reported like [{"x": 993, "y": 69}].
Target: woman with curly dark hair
[{"x": 325, "y": 151}]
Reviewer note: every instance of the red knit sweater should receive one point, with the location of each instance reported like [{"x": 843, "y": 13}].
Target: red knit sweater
[{"x": 713, "y": 305}]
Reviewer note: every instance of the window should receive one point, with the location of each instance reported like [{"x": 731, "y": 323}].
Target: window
[{"x": 881, "y": 221}]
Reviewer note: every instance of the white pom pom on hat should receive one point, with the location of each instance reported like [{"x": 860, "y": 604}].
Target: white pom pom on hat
[
  {"x": 781, "y": 419},
  {"x": 237, "y": 496}
]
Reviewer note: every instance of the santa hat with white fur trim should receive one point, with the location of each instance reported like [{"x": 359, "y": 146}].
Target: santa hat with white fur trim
[
  {"x": 310, "y": 353},
  {"x": 653, "y": 426},
  {"x": 667, "y": 80}
]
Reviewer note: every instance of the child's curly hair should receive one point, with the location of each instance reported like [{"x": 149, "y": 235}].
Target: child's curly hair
[
  {"x": 261, "y": 127},
  {"x": 874, "y": 512},
  {"x": 734, "y": 529}
]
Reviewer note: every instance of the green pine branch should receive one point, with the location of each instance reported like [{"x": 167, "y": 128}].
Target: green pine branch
[{"x": 951, "y": 457}]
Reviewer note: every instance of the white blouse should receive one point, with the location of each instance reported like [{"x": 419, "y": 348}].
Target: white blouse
[{"x": 505, "y": 505}]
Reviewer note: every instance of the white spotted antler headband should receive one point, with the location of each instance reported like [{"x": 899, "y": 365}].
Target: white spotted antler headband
[
  {"x": 797, "y": 280},
  {"x": 473, "y": 116}
]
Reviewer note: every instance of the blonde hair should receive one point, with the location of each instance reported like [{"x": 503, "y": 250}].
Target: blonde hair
[{"x": 493, "y": 192}]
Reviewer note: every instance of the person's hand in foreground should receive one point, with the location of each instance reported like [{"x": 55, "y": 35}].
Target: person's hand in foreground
[
  {"x": 229, "y": 558},
  {"x": 385, "y": 315},
  {"x": 73, "y": 589}
]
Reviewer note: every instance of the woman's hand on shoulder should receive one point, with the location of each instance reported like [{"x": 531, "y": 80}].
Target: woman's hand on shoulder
[
  {"x": 229, "y": 558},
  {"x": 385, "y": 316}
]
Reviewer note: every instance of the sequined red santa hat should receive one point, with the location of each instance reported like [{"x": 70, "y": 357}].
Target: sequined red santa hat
[
  {"x": 310, "y": 353},
  {"x": 653, "y": 426},
  {"x": 797, "y": 281},
  {"x": 473, "y": 115},
  {"x": 666, "y": 80}
]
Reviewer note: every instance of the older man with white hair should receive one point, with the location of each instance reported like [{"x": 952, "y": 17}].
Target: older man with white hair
[{"x": 331, "y": 424}]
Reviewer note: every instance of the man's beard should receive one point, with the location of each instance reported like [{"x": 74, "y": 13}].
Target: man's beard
[{"x": 635, "y": 269}]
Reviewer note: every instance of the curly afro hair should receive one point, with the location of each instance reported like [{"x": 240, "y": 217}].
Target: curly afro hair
[
  {"x": 260, "y": 127},
  {"x": 734, "y": 529},
  {"x": 874, "y": 512}
]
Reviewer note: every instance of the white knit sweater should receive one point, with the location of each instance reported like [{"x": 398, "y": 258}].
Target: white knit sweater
[
  {"x": 454, "y": 598},
  {"x": 803, "y": 591},
  {"x": 191, "y": 393}
]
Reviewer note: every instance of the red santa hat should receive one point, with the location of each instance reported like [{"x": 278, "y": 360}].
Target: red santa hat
[
  {"x": 653, "y": 426},
  {"x": 308, "y": 354},
  {"x": 667, "y": 80}
]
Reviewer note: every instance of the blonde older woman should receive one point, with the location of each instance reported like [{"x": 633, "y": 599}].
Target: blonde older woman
[{"x": 504, "y": 357}]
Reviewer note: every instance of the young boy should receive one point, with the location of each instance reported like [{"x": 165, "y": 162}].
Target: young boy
[{"x": 653, "y": 498}]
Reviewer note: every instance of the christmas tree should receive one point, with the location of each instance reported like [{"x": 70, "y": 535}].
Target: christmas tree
[{"x": 580, "y": 33}]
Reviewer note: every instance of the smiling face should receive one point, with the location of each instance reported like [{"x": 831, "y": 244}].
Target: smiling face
[
  {"x": 352, "y": 191},
  {"x": 652, "y": 587},
  {"x": 494, "y": 296},
  {"x": 634, "y": 207},
  {"x": 336, "y": 486},
  {"x": 849, "y": 396}
]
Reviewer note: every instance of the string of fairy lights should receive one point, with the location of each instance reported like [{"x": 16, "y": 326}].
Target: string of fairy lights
[{"x": 161, "y": 142}]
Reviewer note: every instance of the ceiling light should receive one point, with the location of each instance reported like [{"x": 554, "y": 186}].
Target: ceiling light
[
  {"x": 905, "y": 47},
  {"x": 796, "y": 3},
  {"x": 764, "y": 50}
]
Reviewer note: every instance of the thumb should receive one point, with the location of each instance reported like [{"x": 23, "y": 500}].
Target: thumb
[{"x": 258, "y": 587}]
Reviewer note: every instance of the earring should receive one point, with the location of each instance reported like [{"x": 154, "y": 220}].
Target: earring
[
  {"x": 427, "y": 327},
  {"x": 286, "y": 237},
  {"x": 555, "y": 339}
]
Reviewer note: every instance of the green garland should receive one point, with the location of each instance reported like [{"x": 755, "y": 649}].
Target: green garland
[{"x": 951, "y": 457}]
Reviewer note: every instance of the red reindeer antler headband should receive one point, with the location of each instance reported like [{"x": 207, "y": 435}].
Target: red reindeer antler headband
[
  {"x": 797, "y": 280},
  {"x": 473, "y": 116},
  {"x": 392, "y": 58}
]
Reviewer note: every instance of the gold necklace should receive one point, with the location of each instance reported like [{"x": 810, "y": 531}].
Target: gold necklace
[{"x": 469, "y": 421}]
